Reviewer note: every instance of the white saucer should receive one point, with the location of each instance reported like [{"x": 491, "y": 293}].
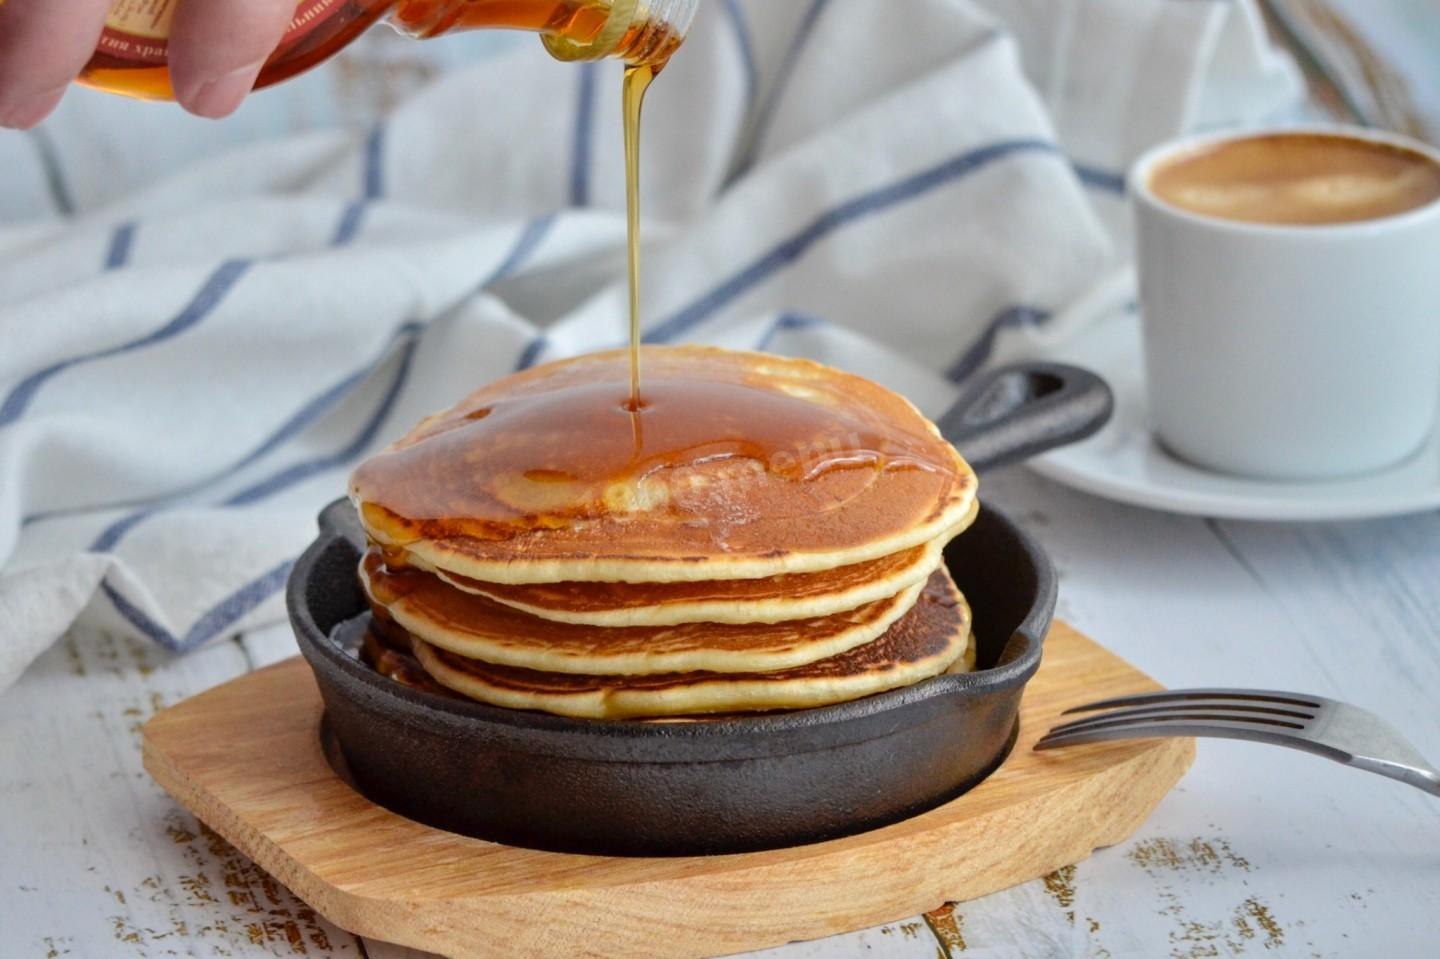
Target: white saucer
[{"x": 1124, "y": 463}]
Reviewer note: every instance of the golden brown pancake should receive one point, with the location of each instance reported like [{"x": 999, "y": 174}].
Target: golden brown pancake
[
  {"x": 926, "y": 642},
  {"x": 738, "y": 466},
  {"x": 773, "y": 599},
  {"x": 406, "y": 670},
  {"x": 380, "y": 654},
  {"x": 480, "y": 628}
]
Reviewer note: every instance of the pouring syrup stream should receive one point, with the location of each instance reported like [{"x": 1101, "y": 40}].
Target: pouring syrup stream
[{"x": 637, "y": 81}]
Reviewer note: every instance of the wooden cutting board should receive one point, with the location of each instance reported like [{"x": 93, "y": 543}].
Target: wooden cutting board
[{"x": 247, "y": 759}]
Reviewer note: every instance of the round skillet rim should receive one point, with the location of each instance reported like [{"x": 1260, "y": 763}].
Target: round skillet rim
[{"x": 786, "y": 733}]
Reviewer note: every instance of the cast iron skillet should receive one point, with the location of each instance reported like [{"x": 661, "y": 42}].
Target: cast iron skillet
[{"x": 626, "y": 788}]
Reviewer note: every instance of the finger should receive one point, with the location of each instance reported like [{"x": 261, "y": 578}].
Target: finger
[
  {"x": 218, "y": 46},
  {"x": 43, "y": 45}
]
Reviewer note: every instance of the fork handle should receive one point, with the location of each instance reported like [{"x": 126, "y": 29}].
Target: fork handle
[{"x": 1427, "y": 780}]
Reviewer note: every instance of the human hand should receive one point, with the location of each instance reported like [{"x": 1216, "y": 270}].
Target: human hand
[{"x": 216, "y": 49}]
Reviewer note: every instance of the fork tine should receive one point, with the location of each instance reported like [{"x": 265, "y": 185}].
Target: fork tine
[
  {"x": 1173, "y": 695},
  {"x": 1108, "y": 735},
  {"x": 1191, "y": 706},
  {"x": 1108, "y": 720},
  {"x": 1190, "y": 728},
  {"x": 1233, "y": 726}
]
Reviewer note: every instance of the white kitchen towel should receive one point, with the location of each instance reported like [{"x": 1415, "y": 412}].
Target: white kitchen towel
[{"x": 189, "y": 375}]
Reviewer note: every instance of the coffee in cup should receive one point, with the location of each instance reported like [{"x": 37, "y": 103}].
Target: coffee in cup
[
  {"x": 1290, "y": 299},
  {"x": 1298, "y": 179}
]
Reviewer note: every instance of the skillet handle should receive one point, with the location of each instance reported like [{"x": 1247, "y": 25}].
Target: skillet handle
[
  {"x": 340, "y": 519},
  {"x": 1015, "y": 412}
]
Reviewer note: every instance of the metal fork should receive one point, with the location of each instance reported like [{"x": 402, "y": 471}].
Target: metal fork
[{"x": 1335, "y": 730}]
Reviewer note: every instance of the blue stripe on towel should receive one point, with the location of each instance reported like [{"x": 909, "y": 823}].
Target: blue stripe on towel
[
  {"x": 372, "y": 185},
  {"x": 531, "y": 353},
  {"x": 374, "y": 177},
  {"x": 223, "y": 614},
  {"x": 876, "y": 201},
  {"x": 307, "y": 414},
  {"x": 252, "y": 594},
  {"x": 350, "y": 221},
  {"x": 584, "y": 126},
  {"x": 529, "y": 240},
  {"x": 1099, "y": 179},
  {"x": 767, "y": 107},
  {"x": 113, "y": 533},
  {"x": 735, "y": 13},
  {"x": 121, "y": 240},
  {"x": 784, "y": 323},
  {"x": 1012, "y": 317},
  {"x": 302, "y": 471},
  {"x": 973, "y": 359},
  {"x": 53, "y": 169},
  {"x": 210, "y": 296}
]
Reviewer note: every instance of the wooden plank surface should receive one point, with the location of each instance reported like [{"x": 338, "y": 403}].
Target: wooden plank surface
[
  {"x": 247, "y": 759},
  {"x": 1258, "y": 852},
  {"x": 97, "y": 861}
]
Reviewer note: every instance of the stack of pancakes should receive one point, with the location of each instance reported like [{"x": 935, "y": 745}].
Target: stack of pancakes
[{"x": 759, "y": 534}]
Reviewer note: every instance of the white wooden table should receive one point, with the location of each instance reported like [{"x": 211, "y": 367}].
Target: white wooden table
[{"x": 1260, "y": 851}]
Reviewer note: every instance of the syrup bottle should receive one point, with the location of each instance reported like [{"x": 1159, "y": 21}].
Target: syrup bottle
[{"x": 130, "y": 58}]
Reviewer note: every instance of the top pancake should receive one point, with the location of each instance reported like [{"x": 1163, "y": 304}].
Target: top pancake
[{"x": 737, "y": 466}]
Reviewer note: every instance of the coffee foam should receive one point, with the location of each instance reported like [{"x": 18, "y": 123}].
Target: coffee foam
[{"x": 1298, "y": 179}]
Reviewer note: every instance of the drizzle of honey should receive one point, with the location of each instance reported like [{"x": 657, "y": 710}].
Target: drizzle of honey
[
  {"x": 580, "y": 452},
  {"x": 569, "y": 26},
  {"x": 686, "y": 441},
  {"x": 637, "y": 81}
]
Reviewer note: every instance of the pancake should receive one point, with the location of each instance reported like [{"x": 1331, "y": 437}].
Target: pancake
[
  {"x": 927, "y": 641},
  {"x": 774, "y": 599},
  {"x": 380, "y": 655},
  {"x": 966, "y": 662},
  {"x": 737, "y": 466},
  {"x": 406, "y": 670},
  {"x": 479, "y": 628}
]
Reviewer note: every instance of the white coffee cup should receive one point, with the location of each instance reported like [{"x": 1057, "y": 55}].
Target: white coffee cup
[{"x": 1279, "y": 351}]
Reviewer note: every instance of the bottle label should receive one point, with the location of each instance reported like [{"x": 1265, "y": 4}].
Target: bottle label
[{"x": 139, "y": 30}]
